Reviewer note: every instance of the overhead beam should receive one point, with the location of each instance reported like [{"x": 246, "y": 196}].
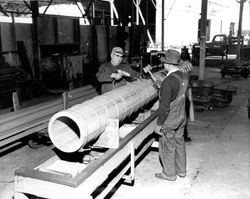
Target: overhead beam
[
  {"x": 47, "y": 6},
  {"x": 3, "y": 11},
  {"x": 153, "y": 3},
  {"x": 17, "y": 12},
  {"x": 27, "y": 5},
  {"x": 87, "y": 10},
  {"x": 79, "y": 7},
  {"x": 139, "y": 14},
  {"x": 113, "y": 11},
  {"x": 137, "y": 5}
]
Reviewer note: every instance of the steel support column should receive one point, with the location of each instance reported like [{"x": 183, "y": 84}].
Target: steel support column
[
  {"x": 239, "y": 33},
  {"x": 139, "y": 14},
  {"x": 203, "y": 34}
]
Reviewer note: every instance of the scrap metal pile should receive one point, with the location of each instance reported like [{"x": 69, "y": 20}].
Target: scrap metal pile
[{"x": 207, "y": 95}]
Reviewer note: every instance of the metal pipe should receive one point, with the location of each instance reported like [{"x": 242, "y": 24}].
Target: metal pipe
[{"x": 71, "y": 129}]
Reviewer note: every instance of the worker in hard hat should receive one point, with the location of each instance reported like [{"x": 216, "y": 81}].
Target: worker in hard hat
[
  {"x": 113, "y": 74},
  {"x": 172, "y": 119}
]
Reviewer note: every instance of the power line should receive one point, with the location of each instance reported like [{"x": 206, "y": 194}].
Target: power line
[
  {"x": 170, "y": 10},
  {"x": 219, "y": 4}
]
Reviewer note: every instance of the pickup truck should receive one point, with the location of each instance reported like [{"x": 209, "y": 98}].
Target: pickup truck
[{"x": 221, "y": 45}]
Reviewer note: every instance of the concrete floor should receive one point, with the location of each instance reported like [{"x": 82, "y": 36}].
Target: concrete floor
[{"x": 218, "y": 157}]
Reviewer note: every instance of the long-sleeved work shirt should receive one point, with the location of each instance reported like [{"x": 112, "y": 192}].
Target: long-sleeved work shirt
[
  {"x": 168, "y": 93},
  {"x": 108, "y": 83}
]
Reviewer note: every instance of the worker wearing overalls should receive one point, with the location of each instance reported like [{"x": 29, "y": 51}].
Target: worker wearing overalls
[{"x": 172, "y": 119}]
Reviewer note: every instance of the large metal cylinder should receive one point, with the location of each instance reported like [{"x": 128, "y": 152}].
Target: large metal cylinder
[{"x": 71, "y": 129}]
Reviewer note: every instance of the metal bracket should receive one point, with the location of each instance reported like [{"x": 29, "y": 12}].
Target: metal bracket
[{"x": 130, "y": 178}]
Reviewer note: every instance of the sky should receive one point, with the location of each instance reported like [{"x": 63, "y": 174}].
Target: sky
[
  {"x": 230, "y": 9},
  {"x": 181, "y": 19}
]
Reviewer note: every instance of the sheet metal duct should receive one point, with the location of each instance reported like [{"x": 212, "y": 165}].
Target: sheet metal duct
[{"x": 71, "y": 129}]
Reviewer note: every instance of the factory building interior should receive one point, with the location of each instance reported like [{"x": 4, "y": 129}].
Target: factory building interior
[{"x": 63, "y": 136}]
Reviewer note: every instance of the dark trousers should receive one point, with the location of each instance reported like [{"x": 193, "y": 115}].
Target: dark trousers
[{"x": 172, "y": 151}]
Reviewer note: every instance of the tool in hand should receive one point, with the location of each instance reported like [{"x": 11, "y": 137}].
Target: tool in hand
[
  {"x": 147, "y": 70},
  {"x": 126, "y": 74},
  {"x": 123, "y": 73}
]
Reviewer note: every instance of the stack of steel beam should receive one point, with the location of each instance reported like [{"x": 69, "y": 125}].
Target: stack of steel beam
[{"x": 18, "y": 124}]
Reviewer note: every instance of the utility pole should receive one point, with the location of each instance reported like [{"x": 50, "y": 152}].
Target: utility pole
[
  {"x": 35, "y": 14},
  {"x": 203, "y": 35},
  {"x": 239, "y": 33},
  {"x": 162, "y": 26}
]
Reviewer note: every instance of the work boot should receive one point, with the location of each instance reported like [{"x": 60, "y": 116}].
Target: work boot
[
  {"x": 163, "y": 176},
  {"x": 181, "y": 175},
  {"x": 187, "y": 139}
]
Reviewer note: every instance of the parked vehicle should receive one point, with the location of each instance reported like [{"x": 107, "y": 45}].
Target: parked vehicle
[{"x": 221, "y": 45}]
